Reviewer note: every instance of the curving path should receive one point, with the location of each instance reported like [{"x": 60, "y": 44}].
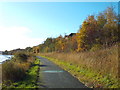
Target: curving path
[{"x": 54, "y": 77}]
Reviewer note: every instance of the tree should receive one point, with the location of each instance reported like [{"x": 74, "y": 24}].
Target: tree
[
  {"x": 95, "y": 32},
  {"x": 28, "y": 49},
  {"x": 87, "y": 34},
  {"x": 111, "y": 27}
]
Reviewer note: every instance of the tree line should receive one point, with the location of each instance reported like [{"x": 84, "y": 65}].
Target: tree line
[{"x": 96, "y": 32}]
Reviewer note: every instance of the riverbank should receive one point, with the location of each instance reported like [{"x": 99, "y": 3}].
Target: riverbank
[
  {"x": 21, "y": 71},
  {"x": 30, "y": 80}
]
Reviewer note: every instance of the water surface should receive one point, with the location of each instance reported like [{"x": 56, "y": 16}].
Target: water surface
[{"x": 5, "y": 57}]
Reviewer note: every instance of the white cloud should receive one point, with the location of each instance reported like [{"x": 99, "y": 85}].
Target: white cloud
[{"x": 17, "y": 37}]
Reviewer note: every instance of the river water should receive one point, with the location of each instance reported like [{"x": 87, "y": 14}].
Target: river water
[{"x": 5, "y": 57}]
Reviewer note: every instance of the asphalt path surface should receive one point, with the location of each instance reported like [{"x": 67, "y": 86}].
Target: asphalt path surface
[{"x": 55, "y": 77}]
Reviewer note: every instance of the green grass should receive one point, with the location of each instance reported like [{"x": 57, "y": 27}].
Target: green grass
[
  {"x": 87, "y": 76},
  {"x": 30, "y": 80}
]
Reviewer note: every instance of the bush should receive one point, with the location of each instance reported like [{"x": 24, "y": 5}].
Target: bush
[
  {"x": 11, "y": 71},
  {"x": 96, "y": 47},
  {"x": 21, "y": 56}
]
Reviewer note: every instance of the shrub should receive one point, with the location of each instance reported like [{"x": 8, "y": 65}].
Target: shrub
[
  {"x": 11, "y": 71},
  {"x": 21, "y": 56},
  {"x": 96, "y": 47},
  {"x": 25, "y": 65}
]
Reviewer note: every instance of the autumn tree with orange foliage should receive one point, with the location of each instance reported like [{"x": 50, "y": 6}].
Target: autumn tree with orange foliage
[{"x": 96, "y": 32}]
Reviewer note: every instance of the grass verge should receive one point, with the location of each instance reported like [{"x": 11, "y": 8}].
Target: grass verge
[
  {"x": 30, "y": 80},
  {"x": 87, "y": 76}
]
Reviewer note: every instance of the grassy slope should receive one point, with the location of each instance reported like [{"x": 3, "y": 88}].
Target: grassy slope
[
  {"x": 30, "y": 79},
  {"x": 95, "y": 69}
]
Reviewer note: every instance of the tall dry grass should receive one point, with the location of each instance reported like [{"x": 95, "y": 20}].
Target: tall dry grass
[
  {"x": 15, "y": 69},
  {"x": 103, "y": 61},
  {"x": 0, "y": 76},
  {"x": 0, "y": 73}
]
